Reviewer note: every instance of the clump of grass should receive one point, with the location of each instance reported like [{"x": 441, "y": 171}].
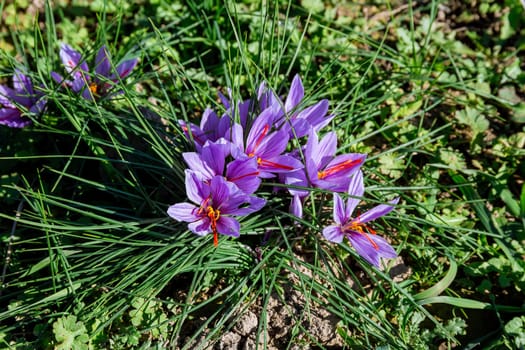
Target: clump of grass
[{"x": 92, "y": 260}]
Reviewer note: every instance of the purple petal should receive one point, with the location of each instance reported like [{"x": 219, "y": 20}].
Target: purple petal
[
  {"x": 183, "y": 212},
  {"x": 80, "y": 83},
  {"x": 125, "y": 68},
  {"x": 296, "y": 178},
  {"x": 244, "y": 110},
  {"x": 224, "y": 100},
  {"x": 200, "y": 227},
  {"x": 326, "y": 149},
  {"x": 102, "y": 64},
  {"x": 222, "y": 193},
  {"x": 368, "y": 251},
  {"x": 38, "y": 106},
  {"x": 315, "y": 115},
  {"x": 7, "y": 95},
  {"x": 243, "y": 173},
  {"x": 364, "y": 248},
  {"x": 22, "y": 84},
  {"x": 87, "y": 94},
  {"x": 356, "y": 188},
  {"x": 267, "y": 97},
  {"x": 223, "y": 128},
  {"x": 209, "y": 123},
  {"x": 196, "y": 190},
  {"x": 59, "y": 79},
  {"x": 251, "y": 204},
  {"x": 214, "y": 155},
  {"x": 297, "y": 128},
  {"x": 195, "y": 163},
  {"x": 71, "y": 59},
  {"x": 295, "y": 95},
  {"x": 193, "y": 132},
  {"x": 12, "y": 118},
  {"x": 318, "y": 154},
  {"x": 296, "y": 206},
  {"x": 377, "y": 211},
  {"x": 228, "y": 226},
  {"x": 236, "y": 202},
  {"x": 258, "y": 132},
  {"x": 342, "y": 166},
  {"x": 272, "y": 145},
  {"x": 339, "y": 212},
  {"x": 237, "y": 138},
  {"x": 333, "y": 233}
]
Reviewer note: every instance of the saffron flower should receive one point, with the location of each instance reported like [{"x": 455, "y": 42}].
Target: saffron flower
[
  {"x": 298, "y": 122},
  {"x": 265, "y": 145},
  {"x": 211, "y": 161},
  {"x": 216, "y": 202},
  {"x": 363, "y": 238},
  {"x": 20, "y": 99},
  {"x": 323, "y": 169},
  {"x": 91, "y": 86}
]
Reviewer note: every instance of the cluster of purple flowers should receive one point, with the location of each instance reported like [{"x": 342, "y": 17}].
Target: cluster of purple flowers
[
  {"x": 266, "y": 137},
  {"x": 24, "y": 98}
]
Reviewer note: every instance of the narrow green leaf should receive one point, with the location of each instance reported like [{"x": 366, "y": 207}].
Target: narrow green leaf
[
  {"x": 469, "y": 304},
  {"x": 512, "y": 204},
  {"x": 443, "y": 284},
  {"x": 45, "y": 262}
]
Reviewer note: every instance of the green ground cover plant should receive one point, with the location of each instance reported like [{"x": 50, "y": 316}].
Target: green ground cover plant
[{"x": 101, "y": 110}]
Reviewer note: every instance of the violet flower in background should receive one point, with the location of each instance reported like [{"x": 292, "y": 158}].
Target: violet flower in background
[
  {"x": 96, "y": 84},
  {"x": 364, "y": 239},
  {"x": 215, "y": 204},
  {"x": 20, "y": 99},
  {"x": 211, "y": 128}
]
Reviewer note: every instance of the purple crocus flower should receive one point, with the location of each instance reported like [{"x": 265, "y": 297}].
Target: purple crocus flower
[
  {"x": 265, "y": 145},
  {"x": 97, "y": 84},
  {"x": 211, "y": 128},
  {"x": 215, "y": 204},
  {"x": 364, "y": 239},
  {"x": 323, "y": 169},
  {"x": 18, "y": 100},
  {"x": 292, "y": 118},
  {"x": 211, "y": 161}
]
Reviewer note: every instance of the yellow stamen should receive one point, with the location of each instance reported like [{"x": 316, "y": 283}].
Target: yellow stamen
[
  {"x": 360, "y": 227},
  {"x": 93, "y": 87}
]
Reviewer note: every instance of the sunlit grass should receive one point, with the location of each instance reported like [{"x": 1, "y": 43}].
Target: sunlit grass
[{"x": 86, "y": 188}]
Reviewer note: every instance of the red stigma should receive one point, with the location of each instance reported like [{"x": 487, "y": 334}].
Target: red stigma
[
  {"x": 233, "y": 179},
  {"x": 267, "y": 163},
  {"x": 259, "y": 139},
  {"x": 347, "y": 164}
]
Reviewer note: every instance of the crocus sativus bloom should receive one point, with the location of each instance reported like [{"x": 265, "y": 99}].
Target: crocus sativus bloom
[
  {"x": 363, "y": 238},
  {"x": 215, "y": 203}
]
